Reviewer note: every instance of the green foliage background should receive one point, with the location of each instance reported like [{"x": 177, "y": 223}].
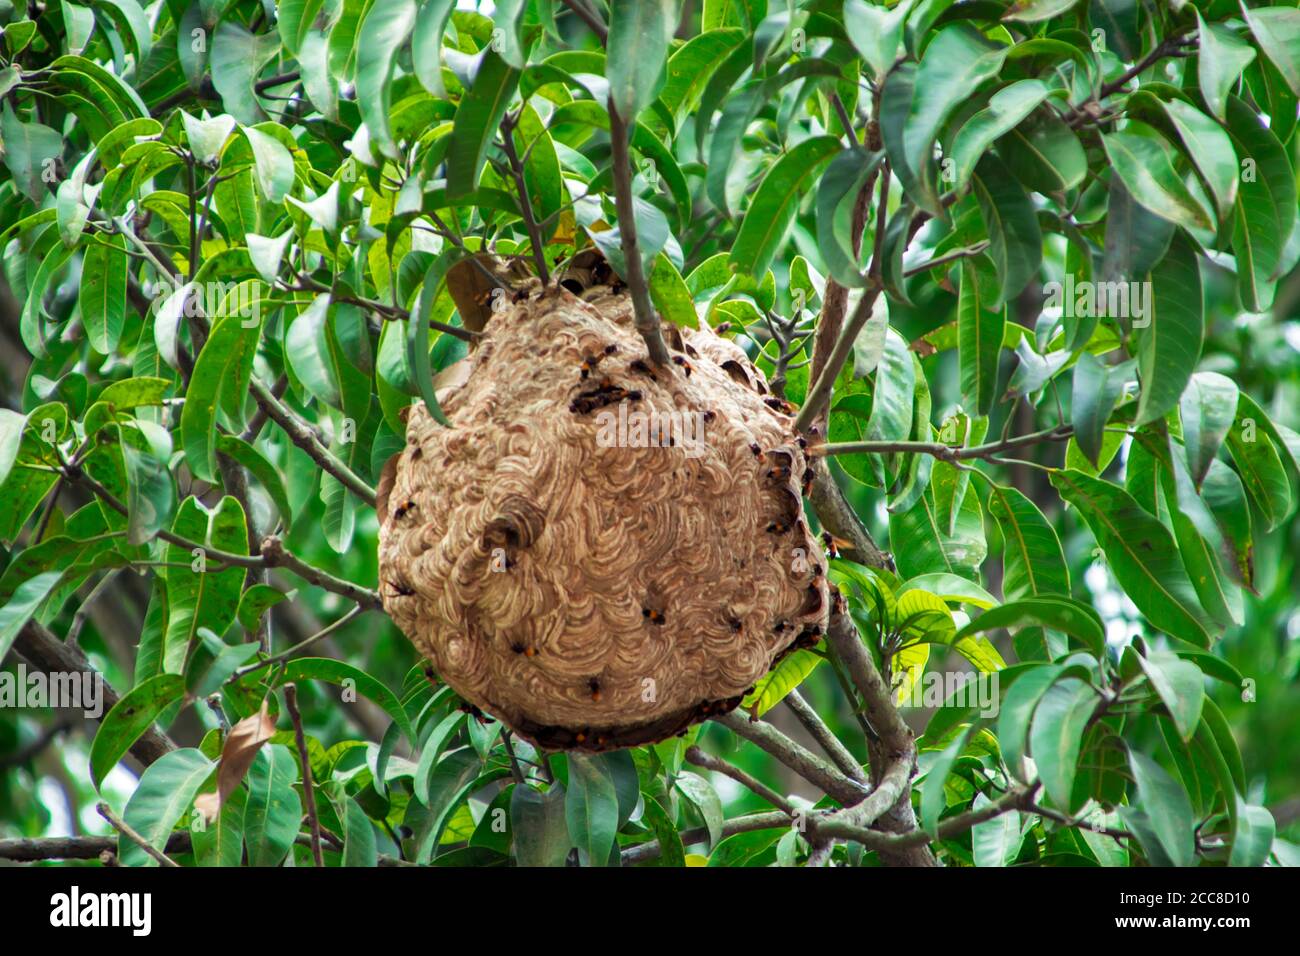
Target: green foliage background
[{"x": 225, "y": 226}]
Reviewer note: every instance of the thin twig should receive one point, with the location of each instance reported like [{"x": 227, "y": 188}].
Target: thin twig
[
  {"x": 122, "y": 827},
  {"x": 308, "y": 791},
  {"x": 297, "y": 648},
  {"x": 647, "y": 320}
]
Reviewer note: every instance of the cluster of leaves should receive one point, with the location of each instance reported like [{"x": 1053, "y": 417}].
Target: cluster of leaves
[{"x": 228, "y": 230}]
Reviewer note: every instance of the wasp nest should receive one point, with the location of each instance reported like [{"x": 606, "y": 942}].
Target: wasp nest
[{"x": 600, "y": 552}]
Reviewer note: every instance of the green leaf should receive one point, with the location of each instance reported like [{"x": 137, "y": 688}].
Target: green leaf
[
  {"x": 132, "y": 24},
  {"x": 426, "y": 43},
  {"x": 384, "y": 31},
  {"x": 1033, "y": 563},
  {"x": 19, "y": 609},
  {"x": 30, "y": 152},
  {"x": 1259, "y": 463},
  {"x": 1141, "y": 553},
  {"x": 922, "y": 544},
  {"x": 1181, "y": 687},
  {"x": 477, "y": 120},
  {"x": 273, "y": 813},
  {"x": 417, "y": 333},
  {"x": 1210, "y": 149},
  {"x": 273, "y": 163},
  {"x": 1169, "y": 336},
  {"x": 591, "y": 809},
  {"x": 996, "y": 842},
  {"x": 359, "y": 846},
  {"x": 1168, "y": 810},
  {"x": 705, "y": 800},
  {"x": 1265, "y": 206},
  {"x": 1060, "y": 613},
  {"x": 130, "y": 717},
  {"x": 669, "y": 294},
  {"x": 507, "y": 17},
  {"x": 261, "y": 469},
  {"x": 774, "y": 686},
  {"x": 1015, "y": 241},
  {"x": 1056, "y": 735},
  {"x": 104, "y": 275},
  {"x": 1006, "y": 108},
  {"x": 541, "y": 835},
  {"x": 1221, "y": 58},
  {"x": 980, "y": 326},
  {"x": 1207, "y": 410},
  {"x": 1096, "y": 390},
  {"x": 773, "y": 209},
  {"x": 353, "y": 680},
  {"x": 671, "y": 851},
  {"x": 1256, "y": 830},
  {"x": 1277, "y": 31},
  {"x": 1044, "y": 153},
  {"x": 639, "y": 33},
  {"x": 1018, "y": 710},
  {"x": 836, "y": 199},
  {"x": 1144, "y": 160},
  {"x": 223, "y": 367},
  {"x": 954, "y": 65},
  {"x": 1032, "y": 11},
  {"x": 166, "y": 790},
  {"x": 151, "y": 498},
  {"x": 875, "y": 30},
  {"x": 198, "y": 596},
  {"x": 238, "y": 57},
  {"x": 933, "y": 794},
  {"x": 256, "y": 601}
]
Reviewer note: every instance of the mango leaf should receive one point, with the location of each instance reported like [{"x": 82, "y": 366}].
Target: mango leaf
[
  {"x": 478, "y": 118},
  {"x": 1033, "y": 563},
  {"x": 1056, "y": 735},
  {"x": 1169, "y": 337},
  {"x": 1141, "y": 554},
  {"x": 541, "y": 835},
  {"x": 591, "y": 809},
  {"x": 1207, "y": 409},
  {"x": 770, "y": 215},
  {"x": 164, "y": 793},
  {"x": 981, "y": 320},
  {"x": 1168, "y": 811},
  {"x": 273, "y": 813},
  {"x": 1181, "y": 687},
  {"x": 1220, "y": 59},
  {"x": 1144, "y": 160},
  {"x": 639, "y": 31}
]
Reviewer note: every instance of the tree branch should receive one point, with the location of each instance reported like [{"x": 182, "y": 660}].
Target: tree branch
[
  {"x": 306, "y": 439},
  {"x": 831, "y": 744},
  {"x": 647, "y": 320},
  {"x": 130, "y": 833},
  {"x": 39, "y": 647},
  {"x": 803, "y": 762}
]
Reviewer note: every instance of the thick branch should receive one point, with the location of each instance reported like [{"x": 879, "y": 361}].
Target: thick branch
[
  {"x": 39, "y": 647},
  {"x": 831, "y": 744},
  {"x": 803, "y": 762}
]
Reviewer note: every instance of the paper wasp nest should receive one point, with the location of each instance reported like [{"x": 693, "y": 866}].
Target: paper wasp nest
[{"x": 600, "y": 553}]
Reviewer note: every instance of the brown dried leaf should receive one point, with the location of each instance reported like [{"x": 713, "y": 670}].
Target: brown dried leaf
[{"x": 242, "y": 744}]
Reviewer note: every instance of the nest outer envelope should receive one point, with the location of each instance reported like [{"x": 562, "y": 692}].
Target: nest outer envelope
[{"x": 596, "y": 597}]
